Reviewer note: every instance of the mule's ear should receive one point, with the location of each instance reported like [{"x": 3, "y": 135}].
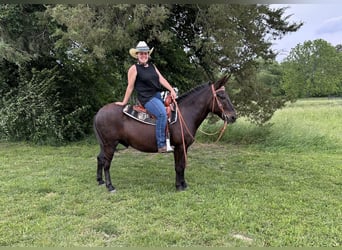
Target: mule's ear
[{"x": 222, "y": 82}]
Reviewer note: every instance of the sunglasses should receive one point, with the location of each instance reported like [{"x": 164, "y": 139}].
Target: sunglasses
[{"x": 142, "y": 53}]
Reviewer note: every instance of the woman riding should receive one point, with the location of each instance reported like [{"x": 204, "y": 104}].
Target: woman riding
[{"x": 146, "y": 79}]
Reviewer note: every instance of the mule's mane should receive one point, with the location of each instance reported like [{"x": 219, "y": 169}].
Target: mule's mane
[{"x": 191, "y": 91}]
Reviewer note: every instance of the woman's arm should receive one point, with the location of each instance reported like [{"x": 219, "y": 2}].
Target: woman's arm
[
  {"x": 131, "y": 76},
  {"x": 166, "y": 84}
]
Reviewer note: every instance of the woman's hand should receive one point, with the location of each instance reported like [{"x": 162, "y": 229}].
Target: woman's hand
[
  {"x": 173, "y": 94},
  {"x": 120, "y": 103}
]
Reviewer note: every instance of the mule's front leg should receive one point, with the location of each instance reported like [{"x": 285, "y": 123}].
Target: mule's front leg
[
  {"x": 180, "y": 181},
  {"x": 180, "y": 164}
]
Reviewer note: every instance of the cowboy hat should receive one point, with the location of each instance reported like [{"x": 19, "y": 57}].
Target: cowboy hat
[{"x": 141, "y": 47}]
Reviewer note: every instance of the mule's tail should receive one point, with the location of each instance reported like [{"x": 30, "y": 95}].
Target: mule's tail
[{"x": 97, "y": 134}]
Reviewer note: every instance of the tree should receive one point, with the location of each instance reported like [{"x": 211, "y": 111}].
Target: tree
[
  {"x": 230, "y": 39},
  {"x": 193, "y": 42},
  {"x": 339, "y": 47},
  {"x": 82, "y": 51},
  {"x": 227, "y": 38},
  {"x": 313, "y": 69},
  {"x": 41, "y": 82}
]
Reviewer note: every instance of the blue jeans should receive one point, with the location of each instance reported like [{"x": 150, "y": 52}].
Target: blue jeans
[{"x": 156, "y": 107}]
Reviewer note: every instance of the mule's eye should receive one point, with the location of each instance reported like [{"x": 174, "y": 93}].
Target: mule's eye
[{"x": 221, "y": 96}]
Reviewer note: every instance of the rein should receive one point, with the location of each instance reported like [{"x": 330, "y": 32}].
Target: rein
[
  {"x": 182, "y": 122},
  {"x": 219, "y": 104}
]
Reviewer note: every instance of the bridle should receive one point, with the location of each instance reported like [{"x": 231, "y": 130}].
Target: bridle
[{"x": 220, "y": 106}]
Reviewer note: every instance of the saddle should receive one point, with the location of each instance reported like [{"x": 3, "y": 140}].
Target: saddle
[{"x": 139, "y": 113}]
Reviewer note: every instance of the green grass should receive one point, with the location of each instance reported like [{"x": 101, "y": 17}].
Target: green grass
[
  {"x": 306, "y": 125},
  {"x": 279, "y": 185}
]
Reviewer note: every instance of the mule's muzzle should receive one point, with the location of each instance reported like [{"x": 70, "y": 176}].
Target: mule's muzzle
[{"x": 230, "y": 118}]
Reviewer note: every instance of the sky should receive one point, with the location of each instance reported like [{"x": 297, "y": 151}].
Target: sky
[{"x": 321, "y": 21}]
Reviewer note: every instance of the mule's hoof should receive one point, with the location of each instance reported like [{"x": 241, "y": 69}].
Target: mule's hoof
[
  {"x": 111, "y": 189},
  {"x": 180, "y": 189}
]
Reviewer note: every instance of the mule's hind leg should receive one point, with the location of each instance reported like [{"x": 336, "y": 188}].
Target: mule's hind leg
[
  {"x": 104, "y": 160},
  {"x": 100, "y": 165},
  {"x": 109, "y": 153}
]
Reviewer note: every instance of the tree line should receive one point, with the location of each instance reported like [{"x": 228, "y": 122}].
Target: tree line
[{"x": 59, "y": 63}]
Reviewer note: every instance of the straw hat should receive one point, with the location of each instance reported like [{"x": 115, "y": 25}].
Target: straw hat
[{"x": 141, "y": 47}]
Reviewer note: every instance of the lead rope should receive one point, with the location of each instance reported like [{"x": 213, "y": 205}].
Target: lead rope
[
  {"x": 221, "y": 131},
  {"x": 181, "y": 122}
]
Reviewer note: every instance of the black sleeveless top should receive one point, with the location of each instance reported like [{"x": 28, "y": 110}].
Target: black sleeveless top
[{"x": 146, "y": 83}]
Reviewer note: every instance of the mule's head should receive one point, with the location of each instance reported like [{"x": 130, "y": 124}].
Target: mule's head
[{"x": 222, "y": 106}]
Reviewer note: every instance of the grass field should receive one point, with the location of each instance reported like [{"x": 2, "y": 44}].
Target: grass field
[{"x": 276, "y": 185}]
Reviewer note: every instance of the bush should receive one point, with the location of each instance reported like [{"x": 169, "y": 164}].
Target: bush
[{"x": 30, "y": 111}]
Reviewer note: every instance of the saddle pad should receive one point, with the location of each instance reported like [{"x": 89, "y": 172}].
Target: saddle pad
[{"x": 144, "y": 117}]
